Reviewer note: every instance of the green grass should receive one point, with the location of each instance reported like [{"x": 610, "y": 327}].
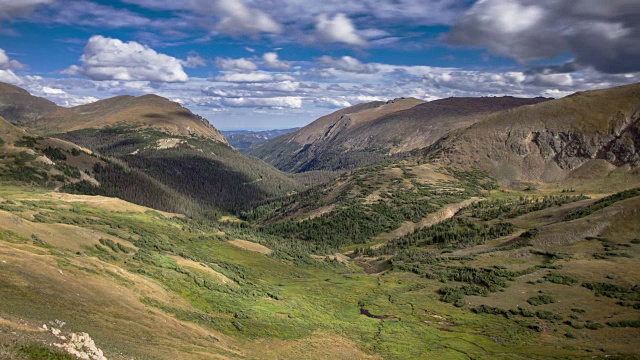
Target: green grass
[{"x": 39, "y": 352}]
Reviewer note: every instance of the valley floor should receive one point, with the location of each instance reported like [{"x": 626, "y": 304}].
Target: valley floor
[{"x": 150, "y": 285}]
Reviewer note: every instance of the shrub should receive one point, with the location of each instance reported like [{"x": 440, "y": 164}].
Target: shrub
[
  {"x": 540, "y": 300},
  {"x": 593, "y": 326},
  {"x": 547, "y": 315},
  {"x": 614, "y": 291},
  {"x": 625, "y": 323},
  {"x": 561, "y": 279}
]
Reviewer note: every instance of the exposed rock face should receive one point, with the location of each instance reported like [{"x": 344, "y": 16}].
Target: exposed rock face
[{"x": 548, "y": 141}]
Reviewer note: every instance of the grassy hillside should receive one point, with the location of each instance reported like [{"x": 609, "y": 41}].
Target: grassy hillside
[
  {"x": 26, "y": 111},
  {"x": 143, "y": 112},
  {"x": 25, "y": 158}
]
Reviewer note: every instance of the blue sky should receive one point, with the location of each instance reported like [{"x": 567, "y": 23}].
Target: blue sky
[{"x": 250, "y": 64}]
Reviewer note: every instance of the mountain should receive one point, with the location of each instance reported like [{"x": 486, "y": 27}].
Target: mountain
[
  {"x": 42, "y": 116},
  {"x": 143, "y": 112},
  {"x": 585, "y": 136},
  {"x": 154, "y": 152},
  {"x": 370, "y": 132},
  {"x": 31, "y": 112},
  {"x": 244, "y": 140}
]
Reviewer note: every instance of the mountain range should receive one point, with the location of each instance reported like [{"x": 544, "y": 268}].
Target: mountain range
[{"x": 370, "y": 132}]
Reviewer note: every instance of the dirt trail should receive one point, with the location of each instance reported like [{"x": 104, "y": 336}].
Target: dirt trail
[{"x": 447, "y": 212}]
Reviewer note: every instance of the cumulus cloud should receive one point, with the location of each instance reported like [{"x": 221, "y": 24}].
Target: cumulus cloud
[
  {"x": 602, "y": 34},
  {"x": 241, "y": 65},
  {"x": 241, "y": 19},
  {"x": 348, "y": 64},
  {"x": 10, "y": 77},
  {"x": 111, "y": 59},
  {"x": 339, "y": 29},
  {"x": 193, "y": 61},
  {"x": 271, "y": 60}
]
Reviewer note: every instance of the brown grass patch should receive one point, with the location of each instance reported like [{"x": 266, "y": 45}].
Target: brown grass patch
[{"x": 251, "y": 246}]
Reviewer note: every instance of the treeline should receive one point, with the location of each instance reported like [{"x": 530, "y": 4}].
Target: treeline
[
  {"x": 603, "y": 203},
  {"x": 117, "y": 180},
  {"x": 456, "y": 232},
  {"x": 345, "y": 226},
  {"x": 511, "y": 208}
]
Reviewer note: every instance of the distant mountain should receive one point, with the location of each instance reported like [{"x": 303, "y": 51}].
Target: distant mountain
[
  {"x": 243, "y": 140},
  {"x": 370, "y": 132},
  {"x": 30, "y": 112},
  {"x": 42, "y": 116},
  {"x": 585, "y": 136},
  {"x": 144, "y": 112},
  {"x": 153, "y": 152}
]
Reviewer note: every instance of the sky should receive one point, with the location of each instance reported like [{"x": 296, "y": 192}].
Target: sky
[{"x": 267, "y": 64}]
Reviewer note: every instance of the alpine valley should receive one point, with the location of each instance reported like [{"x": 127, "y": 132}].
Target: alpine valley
[{"x": 459, "y": 228}]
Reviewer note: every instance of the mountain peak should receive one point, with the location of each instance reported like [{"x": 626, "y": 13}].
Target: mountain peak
[{"x": 21, "y": 108}]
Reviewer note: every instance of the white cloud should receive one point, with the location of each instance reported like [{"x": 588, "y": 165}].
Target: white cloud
[
  {"x": 111, "y": 59},
  {"x": 52, "y": 91},
  {"x": 340, "y": 29},
  {"x": 255, "y": 77},
  {"x": 241, "y": 19},
  {"x": 271, "y": 60},
  {"x": 8, "y": 64},
  {"x": 241, "y": 65},
  {"x": 194, "y": 61},
  {"x": 331, "y": 102},
  {"x": 348, "y": 64},
  {"x": 291, "y": 102},
  {"x": 10, "y": 77},
  {"x": 551, "y": 80}
]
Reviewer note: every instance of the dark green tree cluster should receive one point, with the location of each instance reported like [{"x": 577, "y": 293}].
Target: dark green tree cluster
[
  {"x": 603, "y": 203},
  {"x": 510, "y": 208}
]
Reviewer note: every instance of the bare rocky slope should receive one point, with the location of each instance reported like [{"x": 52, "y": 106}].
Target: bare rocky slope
[
  {"x": 587, "y": 135},
  {"x": 369, "y": 132}
]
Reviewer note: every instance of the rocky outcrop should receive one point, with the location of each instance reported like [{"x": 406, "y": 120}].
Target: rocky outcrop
[{"x": 79, "y": 345}]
